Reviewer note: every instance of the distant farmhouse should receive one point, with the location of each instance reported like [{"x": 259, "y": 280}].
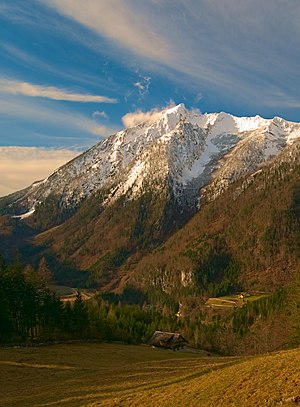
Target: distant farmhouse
[{"x": 168, "y": 340}]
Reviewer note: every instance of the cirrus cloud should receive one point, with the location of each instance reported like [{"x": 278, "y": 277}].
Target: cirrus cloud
[
  {"x": 233, "y": 49},
  {"x": 119, "y": 20},
  {"x": 15, "y": 87},
  {"x": 32, "y": 112}
]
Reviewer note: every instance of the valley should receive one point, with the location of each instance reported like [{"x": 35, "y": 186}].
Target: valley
[{"x": 172, "y": 215}]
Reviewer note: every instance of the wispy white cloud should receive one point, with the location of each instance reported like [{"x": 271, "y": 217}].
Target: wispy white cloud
[
  {"x": 237, "y": 49},
  {"x": 19, "y": 107},
  {"x": 118, "y": 20},
  {"x": 50, "y": 92},
  {"x": 100, "y": 114},
  {"x": 286, "y": 100},
  {"x": 143, "y": 85},
  {"x": 241, "y": 52},
  {"x": 134, "y": 118},
  {"x": 16, "y": 54},
  {"x": 21, "y": 166},
  {"x": 72, "y": 74},
  {"x": 198, "y": 97}
]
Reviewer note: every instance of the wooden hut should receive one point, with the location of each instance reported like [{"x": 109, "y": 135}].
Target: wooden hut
[{"x": 168, "y": 340}]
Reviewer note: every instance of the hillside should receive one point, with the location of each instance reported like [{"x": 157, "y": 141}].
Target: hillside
[
  {"x": 175, "y": 211},
  {"x": 100, "y": 240},
  {"x": 251, "y": 230},
  {"x": 112, "y": 375},
  {"x": 247, "y": 239},
  {"x": 116, "y": 202}
]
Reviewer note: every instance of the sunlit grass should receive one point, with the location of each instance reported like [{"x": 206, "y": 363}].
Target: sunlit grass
[
  {"x": 120, "y": 375},
  {"x": 233, "y": 301}
]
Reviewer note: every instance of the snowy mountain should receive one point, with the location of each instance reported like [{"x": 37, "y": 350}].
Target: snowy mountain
[
  {"x": 122, "y": 218},
  {"x": 179, "y": 149}
]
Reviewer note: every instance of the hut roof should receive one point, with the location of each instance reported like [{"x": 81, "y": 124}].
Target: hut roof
[{"x": 167, "y": 339}]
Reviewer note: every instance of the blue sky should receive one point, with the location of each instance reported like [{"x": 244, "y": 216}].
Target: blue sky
[{"x": 70, "y": 70}]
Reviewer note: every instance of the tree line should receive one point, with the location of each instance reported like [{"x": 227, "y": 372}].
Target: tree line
[{"x": 30, "y": 312}]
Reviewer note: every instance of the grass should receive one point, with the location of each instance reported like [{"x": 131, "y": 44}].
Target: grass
[
  {"x": 232, "y": 301},
  {"x": 223, "y": 302},
  {"x": 256, "y": 297},
  {"x": 123, "y": 375}
]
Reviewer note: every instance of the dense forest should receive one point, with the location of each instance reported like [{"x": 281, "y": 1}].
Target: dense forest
[{"x": 30, "y": 312}]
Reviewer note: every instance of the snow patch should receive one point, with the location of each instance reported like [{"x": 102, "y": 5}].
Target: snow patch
[
  {"x": 180, "y": 148},
  {"x": 24, "y": 215}
]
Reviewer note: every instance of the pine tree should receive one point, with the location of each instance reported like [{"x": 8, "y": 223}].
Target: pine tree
[
  {"x": 80, "y": 317},
  {"x": 44, "y": 272}
]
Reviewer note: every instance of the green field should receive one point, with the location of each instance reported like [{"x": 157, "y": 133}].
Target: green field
[
  {"x": 232, "y": 301},
  {"x": 124, "y": 375}
]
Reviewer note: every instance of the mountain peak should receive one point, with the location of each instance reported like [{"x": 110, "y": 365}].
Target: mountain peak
[
  {"x": 177, "y": 148},
  {"x": 172, "y": 116},
  {"x": 178, "y": 109}
]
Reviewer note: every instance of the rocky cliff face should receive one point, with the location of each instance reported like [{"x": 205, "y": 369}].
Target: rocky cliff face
[{"x": 178, "y": 149}]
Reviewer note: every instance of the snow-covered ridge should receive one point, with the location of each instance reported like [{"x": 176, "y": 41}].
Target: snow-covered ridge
[{"x": 182, "y": 149}]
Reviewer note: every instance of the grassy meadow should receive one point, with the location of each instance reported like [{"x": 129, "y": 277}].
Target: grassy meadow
[
  {"x": 124, "y": 375},
  {"x": 232, "y": 301}
]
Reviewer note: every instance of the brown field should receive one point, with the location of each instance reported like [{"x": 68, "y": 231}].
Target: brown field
[{"x": 124, "y": 375}]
